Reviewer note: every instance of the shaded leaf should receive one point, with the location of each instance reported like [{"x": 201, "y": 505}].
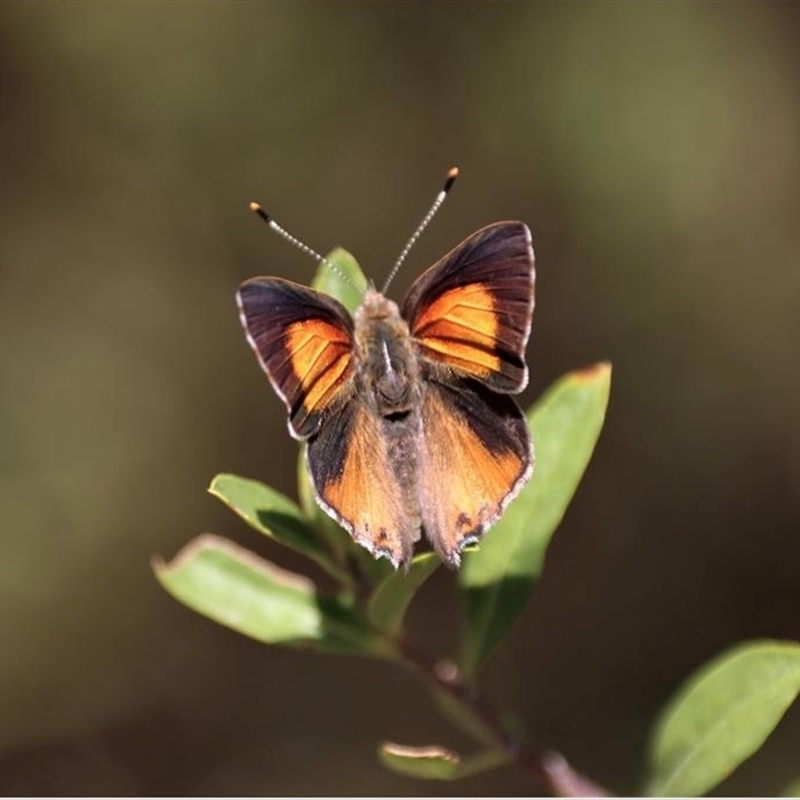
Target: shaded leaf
[
  {"x": 499, "y": 580},
  {"x": 329, "y": 279},
  {"x": 236, "y": 588},
  {"x": 466, "y": 718},
  {"x": 463, "y": 718},
  {"x": 721, "y": 716},
  {"x": 305, "y": 491},
  {"x": 273, "y": 514},
  {"x": 388, "y": 604},
  {"x": 435, "y": 762}
]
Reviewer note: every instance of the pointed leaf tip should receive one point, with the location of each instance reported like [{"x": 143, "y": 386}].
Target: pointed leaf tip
[
  {"x": 599, "y": 373},
  {"x": 341, "y": 277}
]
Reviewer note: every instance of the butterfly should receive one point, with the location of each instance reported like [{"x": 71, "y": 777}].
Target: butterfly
[{"x": 406, "y": 410}]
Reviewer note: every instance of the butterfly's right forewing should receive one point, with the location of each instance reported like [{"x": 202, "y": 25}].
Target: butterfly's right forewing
[{"x": 304, "y": 341}]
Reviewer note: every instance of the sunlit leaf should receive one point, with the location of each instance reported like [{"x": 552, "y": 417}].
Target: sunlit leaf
[
  {"x": 435, "y": 762},
  {"x": 236, "y": 588},
  {"x": 273, "y": 514},
  {"x": 499, "y": 580},
  {"x": 388, "y": 604},
  {"x": 342, "y": 278},
  {"x": 721, "y": 716}
]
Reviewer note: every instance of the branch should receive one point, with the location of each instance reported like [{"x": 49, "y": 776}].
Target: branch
[{"x": 549, "y": 769}]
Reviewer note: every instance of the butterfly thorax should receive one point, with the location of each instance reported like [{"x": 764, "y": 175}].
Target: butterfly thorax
[{"x": 386, "y": 365}]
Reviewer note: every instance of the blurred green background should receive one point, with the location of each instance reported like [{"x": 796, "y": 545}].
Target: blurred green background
[{"x": 654, "y": 149}]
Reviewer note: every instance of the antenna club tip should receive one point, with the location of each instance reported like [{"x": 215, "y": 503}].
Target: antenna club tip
[
  {"x": 452, "y": 174},
  {"x": 257, "y": 209}
]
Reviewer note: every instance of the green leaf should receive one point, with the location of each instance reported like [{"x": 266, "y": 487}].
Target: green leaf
[
  {"x": 329, "y": 279},
  {"x": 435, "y": 762},
  {"x": 274, "y": 515},
  {"x": 305, "y": 491},
  {"x": 464, "y": 717},
  {"x": 792, "y": 790},
  {"x": 498, "y": 581},
  {"x": 236, "y": 588},
  {"x": 388, "y": 604},
  {"x": 721, "y": 716}
]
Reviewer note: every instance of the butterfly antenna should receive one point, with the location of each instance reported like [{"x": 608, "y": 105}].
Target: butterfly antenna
[
  {"x": 257, "y": 209},
  {"x": 448, "y": 185}
]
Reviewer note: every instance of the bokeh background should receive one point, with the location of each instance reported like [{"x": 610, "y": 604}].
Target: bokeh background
[{"x": 654, "y": 149}]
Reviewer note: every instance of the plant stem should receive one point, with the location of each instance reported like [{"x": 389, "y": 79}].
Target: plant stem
[{"x": 551, "y": 770}]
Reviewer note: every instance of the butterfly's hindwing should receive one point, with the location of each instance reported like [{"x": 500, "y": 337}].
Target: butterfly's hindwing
[
  {"x": 475, "y": 456},
  {"x": 355, "y": 477}
]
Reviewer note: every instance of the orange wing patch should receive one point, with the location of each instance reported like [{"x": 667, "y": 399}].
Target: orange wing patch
[
  {"x": 467, "y": 480},
  {"x": 320, "y": 358},
  {"x": 362, "y": 492},
  {"x": 460, "y": 328}
]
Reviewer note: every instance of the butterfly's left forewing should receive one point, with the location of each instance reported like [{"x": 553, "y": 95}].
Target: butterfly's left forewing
[
  {"x": 470, "y": 313},
  {"x": 304, "y": 341}
]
